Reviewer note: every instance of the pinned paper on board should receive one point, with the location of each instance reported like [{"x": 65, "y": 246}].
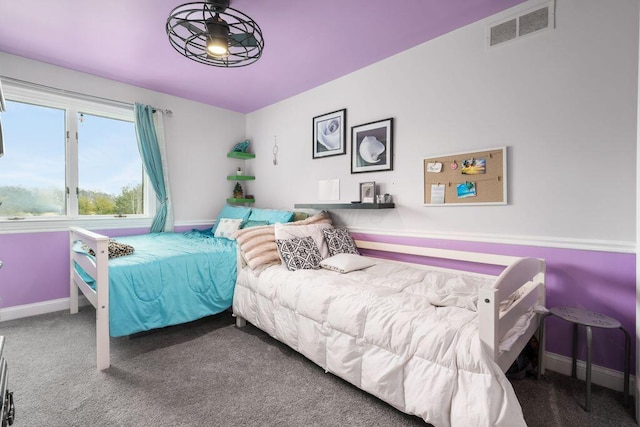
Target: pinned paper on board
[
  {"x": 434, "y": 167},
  {"x": 437, "y": 193}
]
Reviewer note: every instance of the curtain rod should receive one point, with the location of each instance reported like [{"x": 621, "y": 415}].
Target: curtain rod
[{"x": 79, "y": 95}]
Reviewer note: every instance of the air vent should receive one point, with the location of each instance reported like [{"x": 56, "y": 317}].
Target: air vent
[{"x": 528, "y": 22}]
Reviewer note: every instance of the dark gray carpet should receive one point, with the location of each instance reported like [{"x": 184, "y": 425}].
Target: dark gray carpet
[{"x": 209, "y": 373}]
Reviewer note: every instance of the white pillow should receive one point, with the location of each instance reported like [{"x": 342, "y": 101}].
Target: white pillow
[
  {"x": 227, "y": 226},
  {"x": 293, "y": 231},
  {"x": 344, "y": 263}
]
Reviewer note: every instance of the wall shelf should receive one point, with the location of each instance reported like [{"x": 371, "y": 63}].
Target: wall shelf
[
  {"x": 236, "y": 200},
  {"x": 240, "y": 178},
  {"x": 240, "y": 200},
  {"x": 344, "y": 205},
  {"x": 240, "y": 155}
]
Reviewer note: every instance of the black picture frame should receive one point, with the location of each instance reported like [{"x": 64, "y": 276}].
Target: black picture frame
[
  {"x": 372, "y": 147},
  {"x": 330, "y": 134}
]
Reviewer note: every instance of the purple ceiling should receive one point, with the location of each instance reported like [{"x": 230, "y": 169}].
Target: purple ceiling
[{"x": 307, "y": 43}]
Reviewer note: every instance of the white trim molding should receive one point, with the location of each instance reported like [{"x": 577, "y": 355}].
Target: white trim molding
[
  {"x": 541, "y": 241},
  {"x": 602, "y": 376}
]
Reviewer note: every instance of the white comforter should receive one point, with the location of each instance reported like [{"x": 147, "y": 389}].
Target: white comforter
[{"x": 378, "y": 329}]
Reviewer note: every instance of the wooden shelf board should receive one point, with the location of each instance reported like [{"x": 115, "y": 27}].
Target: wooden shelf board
[{"x": 344, "y": 205}]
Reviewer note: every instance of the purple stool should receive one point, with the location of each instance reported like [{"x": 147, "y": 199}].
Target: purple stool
[{"x": 589, "y": 319}]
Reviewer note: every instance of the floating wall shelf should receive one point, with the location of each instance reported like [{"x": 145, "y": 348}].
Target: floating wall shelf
[
  {"x": 344, "y": 205},
  {"x": 236, "y": 200},
  {"x": 240, "y": 178},
  {"x": 241, "y": 155}
]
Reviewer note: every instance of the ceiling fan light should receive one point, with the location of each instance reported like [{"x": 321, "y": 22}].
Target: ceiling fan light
[{"x": 218, "y": 47}]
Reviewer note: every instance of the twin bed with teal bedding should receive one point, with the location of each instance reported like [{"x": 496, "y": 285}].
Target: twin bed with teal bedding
[{"x": 170, "y": 278}]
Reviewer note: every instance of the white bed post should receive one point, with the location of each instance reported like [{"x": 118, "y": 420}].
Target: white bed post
[
  {"x": 73, "y": 288},
  {"x": 488, "y": 320},
  {"x": 103, "y": 353},
  {"x": 240, "y": 322}
]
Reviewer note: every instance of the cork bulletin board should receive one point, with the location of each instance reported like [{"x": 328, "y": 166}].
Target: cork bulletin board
[{"x": 470, "y": 178}]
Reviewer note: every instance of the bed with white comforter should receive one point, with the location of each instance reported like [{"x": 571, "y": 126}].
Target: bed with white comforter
[{"x": 405, "y": 334}]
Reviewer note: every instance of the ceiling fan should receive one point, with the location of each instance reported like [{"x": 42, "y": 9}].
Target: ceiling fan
[{"x": 212, "y": 33}]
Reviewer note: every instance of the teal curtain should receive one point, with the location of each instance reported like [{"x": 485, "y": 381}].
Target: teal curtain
[{"x": 151, "y": 160}]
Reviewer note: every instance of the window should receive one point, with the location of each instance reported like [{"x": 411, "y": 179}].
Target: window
[{"x": 67, "y": 157}]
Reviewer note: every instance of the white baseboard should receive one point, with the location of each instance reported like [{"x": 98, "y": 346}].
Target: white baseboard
[
  {"x": 28, "y": 310},
  {"x": 600, "y": 375},
  {"x": 605, "y": 377}
]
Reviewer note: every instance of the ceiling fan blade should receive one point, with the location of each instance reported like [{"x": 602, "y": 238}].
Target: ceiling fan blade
[
  {"x": 243, "y": 39},
  {"x": 189, "y": 26}
]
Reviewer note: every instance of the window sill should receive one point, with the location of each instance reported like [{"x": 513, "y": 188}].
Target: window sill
[{"x": 35, "y": 225}]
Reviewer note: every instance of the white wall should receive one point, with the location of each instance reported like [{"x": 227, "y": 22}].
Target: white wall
[
  {"x": 198, "y": 136},
  {"x": 563, "y": 101}
]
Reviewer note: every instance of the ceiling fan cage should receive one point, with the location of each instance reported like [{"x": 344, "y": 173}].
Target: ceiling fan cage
[{"x": 188, "y": 33}]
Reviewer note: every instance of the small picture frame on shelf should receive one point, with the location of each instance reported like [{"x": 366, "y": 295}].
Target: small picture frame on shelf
[{"x": 368, "y": 192}]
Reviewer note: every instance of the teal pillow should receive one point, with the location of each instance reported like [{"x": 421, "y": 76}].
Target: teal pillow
[
  {"x": 248, "y": 223},
  {"x": 233, "y": 212},
  {"x": 270, "y": 215}
]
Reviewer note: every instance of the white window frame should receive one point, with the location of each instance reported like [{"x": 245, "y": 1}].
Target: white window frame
[{"x": 73, "y": 105}]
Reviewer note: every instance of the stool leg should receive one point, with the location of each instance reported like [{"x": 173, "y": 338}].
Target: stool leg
[
  {"x": 574, "y": 353},
  {"x": 587, "y": 406},
  {"x": 540, "y": 369},
  {"x": 627, "y": 362}
]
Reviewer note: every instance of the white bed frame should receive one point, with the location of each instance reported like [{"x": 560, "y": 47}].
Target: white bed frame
[
  {"x": 493, "y": 325},
  {"x": 97, "y": 268}
]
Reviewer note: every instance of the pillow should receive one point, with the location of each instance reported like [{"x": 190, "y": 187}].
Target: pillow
[
  {"x": 249, "y": 224},
  {"x": 232, "y": 212},
  {"x": 258, "y": 247},
  {"x": 322, "y": 217},
  {"x": 270, "y": 215},
  {"x": 344, "y": 263},
  {"x": 299, "y": 216},
  {"x": 293, "y": 230},
  {"x": 299, "y": 253},
  {"x": 116, "y": 249},
  {"x": 226, "y": 227},
  {"x": 339, "y": 241}
]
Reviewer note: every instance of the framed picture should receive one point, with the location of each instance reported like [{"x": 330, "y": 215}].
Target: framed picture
[
  {"x": 367, "y": 192},
  {"x": 372, "y": 147},
  {"x": 330, "y": 134}
]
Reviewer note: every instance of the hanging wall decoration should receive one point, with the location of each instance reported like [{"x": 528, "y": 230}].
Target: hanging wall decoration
[
  {"x": 330, "y": 134},
  {"x": 478, "y": 178},
  {"x": 372, "y": 147}
]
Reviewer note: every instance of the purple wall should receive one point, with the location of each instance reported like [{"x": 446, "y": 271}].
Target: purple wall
[
  {"x": 598, "y": 281},
  {"x": 36, "y": 269}
]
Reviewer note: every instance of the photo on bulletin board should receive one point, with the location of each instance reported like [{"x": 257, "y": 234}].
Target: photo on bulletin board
[
  {"x": 466, "y": 178},
  {"x": 474, "y": 166}
]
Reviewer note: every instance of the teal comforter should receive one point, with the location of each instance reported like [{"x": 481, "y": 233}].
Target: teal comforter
[{"x": 171, "y": 278}]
